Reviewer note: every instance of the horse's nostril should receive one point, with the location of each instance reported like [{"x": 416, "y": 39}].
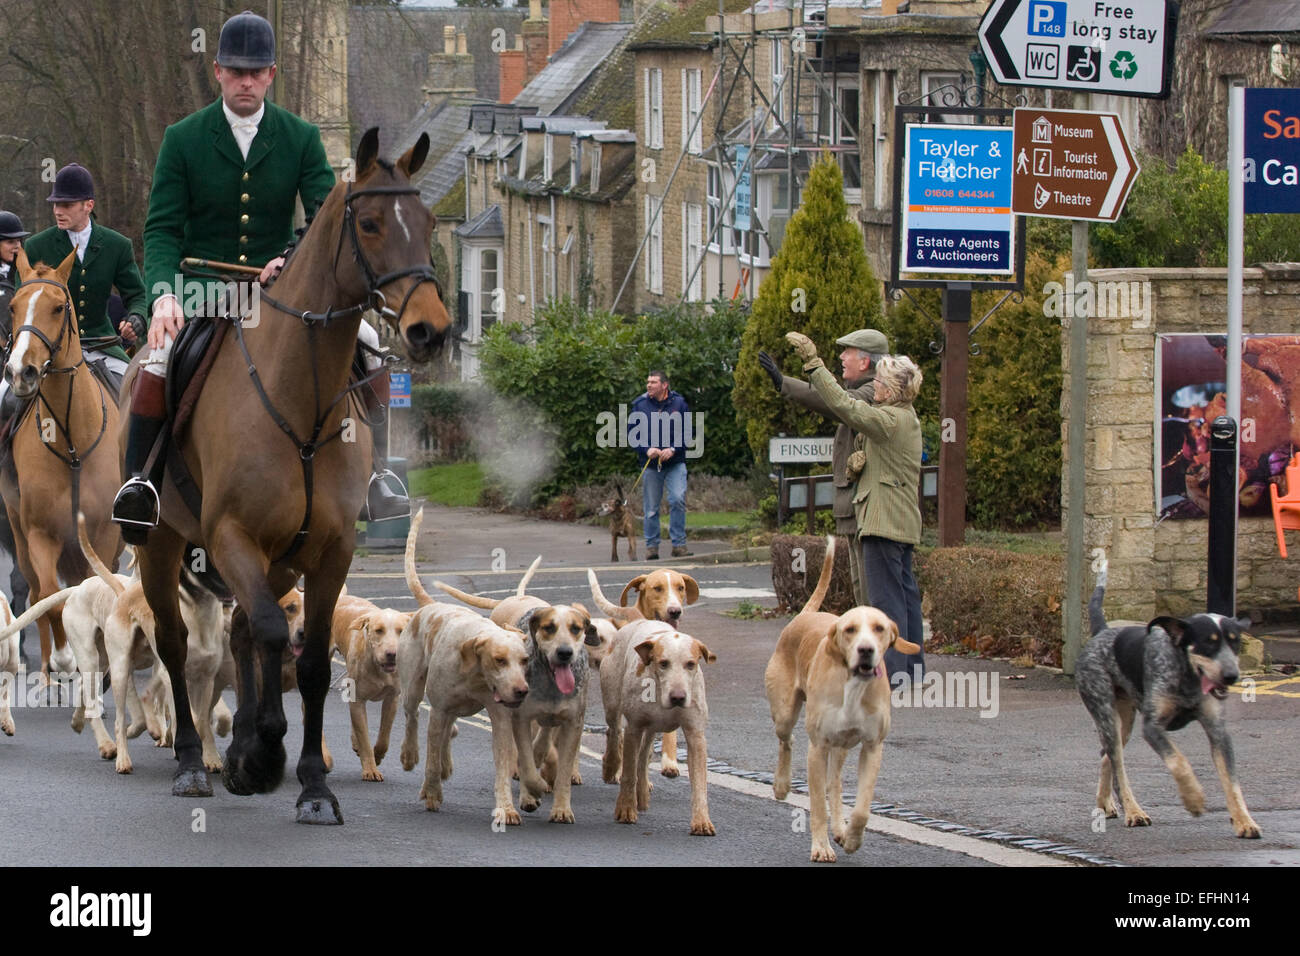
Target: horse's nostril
[{"x": 29, "y": 374}]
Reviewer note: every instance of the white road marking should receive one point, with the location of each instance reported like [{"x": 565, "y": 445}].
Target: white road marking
[
  {"x": 397, "y": 211},
  {"x": 736, "y": 593},
  {"x": 911, "y": 832}
]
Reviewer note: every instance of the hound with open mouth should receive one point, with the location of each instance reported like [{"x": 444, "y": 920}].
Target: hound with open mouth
[{"x": 1173, "y": 671}]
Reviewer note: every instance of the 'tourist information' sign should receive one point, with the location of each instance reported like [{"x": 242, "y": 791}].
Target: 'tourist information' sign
[{"x": 957, "y": 200}]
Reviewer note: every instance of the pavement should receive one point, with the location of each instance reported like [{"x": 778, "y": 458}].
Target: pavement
[{"x": 1001, "y": 751}]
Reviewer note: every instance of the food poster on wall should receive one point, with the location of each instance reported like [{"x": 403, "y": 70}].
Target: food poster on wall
[{"x": 1191, "y": 394}]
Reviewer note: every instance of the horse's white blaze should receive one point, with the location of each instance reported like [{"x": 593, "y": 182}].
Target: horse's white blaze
[
  {"x": 18, "y": 358},
  {"x": 397, "y": 210}
]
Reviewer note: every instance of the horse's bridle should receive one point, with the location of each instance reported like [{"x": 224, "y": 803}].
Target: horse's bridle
[
  {"x": 375, "y": 298},
  {"x": 307, "y": 448},
  {"x": 57, "y": 345},
  {"x": 73, "y": 459}
]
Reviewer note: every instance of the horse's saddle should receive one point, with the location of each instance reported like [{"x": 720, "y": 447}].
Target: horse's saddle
[{"x": 188, "y": 364}]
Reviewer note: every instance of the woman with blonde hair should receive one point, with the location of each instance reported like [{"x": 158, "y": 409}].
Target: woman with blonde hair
[{"x": 885, "y": 501}]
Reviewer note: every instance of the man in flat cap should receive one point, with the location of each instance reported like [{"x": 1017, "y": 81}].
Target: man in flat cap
[{"x": 861, "y": 350}]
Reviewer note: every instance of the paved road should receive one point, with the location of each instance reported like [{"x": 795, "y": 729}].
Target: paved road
[{"x": 1018, "y": 780}]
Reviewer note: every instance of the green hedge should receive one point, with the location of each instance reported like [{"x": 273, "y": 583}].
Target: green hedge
[{"x": 555, "y": 383}]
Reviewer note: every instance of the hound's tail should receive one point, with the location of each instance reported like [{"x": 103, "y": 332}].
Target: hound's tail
[
  {"x": 1096, "y": 618},
  {"x": 96, "y": 564},
  {"x": 39, "y": 609},
  {"x": 473, "y": 600},
  {"x": 522, "y": 590},
  {"x": 824, "y": 582},
  {"x": 615, "y": 613},
  {"x": 412, "y": 576}
]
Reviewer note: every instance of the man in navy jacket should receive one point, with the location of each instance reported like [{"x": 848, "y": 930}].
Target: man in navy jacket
[{"x": 659, "y": 435}]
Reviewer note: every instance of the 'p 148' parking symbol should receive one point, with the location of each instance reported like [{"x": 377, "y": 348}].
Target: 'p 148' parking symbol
[{"x": 1047, "y": 18}]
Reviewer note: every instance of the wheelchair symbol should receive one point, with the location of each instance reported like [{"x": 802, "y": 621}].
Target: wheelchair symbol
[{"x": 1084, "y": 64}]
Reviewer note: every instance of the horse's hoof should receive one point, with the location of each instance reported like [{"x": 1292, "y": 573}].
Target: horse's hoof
[
  {"x": 320, "y": 811},
  {"x": 191, "y": 783},
  {"x": 234, "y": 780}
]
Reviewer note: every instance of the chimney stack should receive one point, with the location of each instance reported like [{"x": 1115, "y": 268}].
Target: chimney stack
[
  {"x": 512, "y": 72},
  {"x": 568, "y": 15},
  {"x": 451, "y": 73}
]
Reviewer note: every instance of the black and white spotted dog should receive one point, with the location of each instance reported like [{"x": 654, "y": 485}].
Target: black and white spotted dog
[{"x": 1173, "y": 671}]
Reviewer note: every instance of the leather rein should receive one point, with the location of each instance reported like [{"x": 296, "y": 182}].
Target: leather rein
[
  {"x": 73, "y": 459},
  {"x": 375, "y": 299}
]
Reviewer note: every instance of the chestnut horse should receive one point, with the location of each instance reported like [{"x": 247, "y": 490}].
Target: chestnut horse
[
  {"x": 282, "y": 466},
  {"x": 63, "y": 449}
]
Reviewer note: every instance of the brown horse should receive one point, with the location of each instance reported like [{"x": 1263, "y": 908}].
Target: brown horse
[
  {"x": 63, "y": 450},
  {"x": 283, "y": 466}
]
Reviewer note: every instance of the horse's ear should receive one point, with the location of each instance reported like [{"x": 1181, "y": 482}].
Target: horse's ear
[
  {"x": 413, "y": 159},
  {"x": 367, "y": 151},
  {"x": 23, "y": 265},
  {"x": 65, "y": 267}
]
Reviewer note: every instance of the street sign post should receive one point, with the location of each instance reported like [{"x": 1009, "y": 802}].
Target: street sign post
[
  {"x": 1271, "y": 167},
  {"x": 957, "y": 200},
  {"x": 1094, "y": 46},
  {"x": 1071, "y": 164}
]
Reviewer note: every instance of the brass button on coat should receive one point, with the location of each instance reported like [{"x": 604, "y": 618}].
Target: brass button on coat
[
  {"x": 243, "y": 258},
  {"x": 244, "y": 218},
  {"x": 244, "y": 197}
]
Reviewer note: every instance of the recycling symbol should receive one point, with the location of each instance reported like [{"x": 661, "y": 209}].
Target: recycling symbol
[{"x": 1123, "y": 66}]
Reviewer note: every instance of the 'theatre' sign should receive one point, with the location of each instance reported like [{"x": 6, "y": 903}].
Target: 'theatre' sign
[{"x": 1070, "y": 164}]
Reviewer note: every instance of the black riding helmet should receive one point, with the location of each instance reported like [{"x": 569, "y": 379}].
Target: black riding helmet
[
  {"x": 11, "y": 227},
  {"x": 247, "y": 43}
]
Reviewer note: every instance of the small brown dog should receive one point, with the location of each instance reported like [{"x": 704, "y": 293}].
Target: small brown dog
[{"x": 620, "y": 524}]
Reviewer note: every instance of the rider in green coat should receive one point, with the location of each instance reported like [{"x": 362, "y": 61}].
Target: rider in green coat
[{"x": 223, "y": 189}]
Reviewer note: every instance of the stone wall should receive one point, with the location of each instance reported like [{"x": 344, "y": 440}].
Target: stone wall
[{"x": 1159, "y": 568}]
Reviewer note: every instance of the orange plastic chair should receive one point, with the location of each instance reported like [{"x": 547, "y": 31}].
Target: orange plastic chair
[{"x": 1286, "y": 508}]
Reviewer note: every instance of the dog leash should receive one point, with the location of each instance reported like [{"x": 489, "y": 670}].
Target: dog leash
[{"x": 638, "y": 477}]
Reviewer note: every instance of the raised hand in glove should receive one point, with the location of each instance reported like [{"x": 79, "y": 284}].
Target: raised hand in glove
[
  {"x": 769, "y": 366},
  {"x": 805, "y": 349}
]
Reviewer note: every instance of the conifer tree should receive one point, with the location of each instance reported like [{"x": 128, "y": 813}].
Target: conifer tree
[{"x": 820, "y": 284}]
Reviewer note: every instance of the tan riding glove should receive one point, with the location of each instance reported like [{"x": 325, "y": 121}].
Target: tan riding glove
[{"x": 806, "y": 350}]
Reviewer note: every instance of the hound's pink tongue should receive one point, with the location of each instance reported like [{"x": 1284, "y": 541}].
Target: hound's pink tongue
[
  {"x": 1207, "y": 685},
  {"x": 564, "y": 679}
]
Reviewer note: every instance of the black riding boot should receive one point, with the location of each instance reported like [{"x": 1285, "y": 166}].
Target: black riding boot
[
  {"x": 136, "y": 505},
  {"x": 386, "y": 497}
]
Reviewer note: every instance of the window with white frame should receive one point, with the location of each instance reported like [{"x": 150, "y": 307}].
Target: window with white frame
[
  {"x": 692, "y": 251},
  {"x": 719, "y": 222},
  {"x": 881, "y": 119},
  {"x": 489, "y": 278},
  {"x": 548, "y": 157},
  {"x": 523, "y": 155},
  {"x": 692, "y": 126},
  {"x": 778, "y": 81},
  {"x": 838, "y": 126},
  {"x": 654, "y": 109},
  {"x": 595, "y": 167},
  {"x": 933, "y": 93},
  {"x": 654, "y": 247},
  {"x": 548, "y": 260},
  {"x": 575, "y": 160}
]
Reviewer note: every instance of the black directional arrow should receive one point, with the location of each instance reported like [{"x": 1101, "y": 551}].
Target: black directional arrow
[{"x": 995, "y": 21}]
